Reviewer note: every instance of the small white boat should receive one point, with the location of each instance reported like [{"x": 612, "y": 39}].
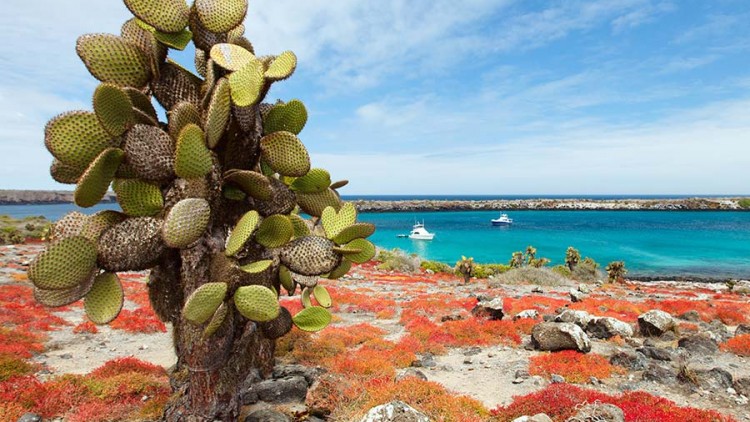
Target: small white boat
[
  {"x": 504, "y": 220},
  {"x": 418, "y": 232}
]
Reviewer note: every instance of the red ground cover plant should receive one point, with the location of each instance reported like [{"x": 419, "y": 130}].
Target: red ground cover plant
[
  {"x": 86, "y": 327},
  {"x": 575, "y": 367},
  {"x": 739, "y": 345},
  {"x": 18, "y": 308},
  {"x": 543, "y": 304},
  {"x": 142, "y": 320},
  {"x": 560, "y": 401},
  {"x": 114, "y": 391}
]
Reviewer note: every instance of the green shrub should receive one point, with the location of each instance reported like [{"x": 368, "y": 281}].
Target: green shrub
[
  {"x": 530, "y": 275},
  {"x": 489, "y": 270},
  {"x": 744, "y": 203},
  {"x": 436, "y": 267},
  {"x": 562, "y": 270},
  {"x": 587, "y": 271}
]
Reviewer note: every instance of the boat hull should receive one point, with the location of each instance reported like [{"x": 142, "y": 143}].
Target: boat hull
[
  {"x": 501, "y": 223},
  {"x": 421, "y": 236}
]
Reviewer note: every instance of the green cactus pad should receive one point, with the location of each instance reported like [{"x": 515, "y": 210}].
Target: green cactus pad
[
  {"x": 69, "y": 225},
  {"x": 216, "y": 320},
  {"x": 192, "y": 158},
  {"x": 283, "y": 200},
  {"x": 64, "y": 265},
  {"x": 242, "y": 232},
  {"x": 164, "y": 15},
  {"x": 305, "y": 298},
  {"x": 133, "y": 245},
  {"x": 257, "y": 267},
  {"x": 138, "y": 198},
  {"x": 315, "y": 181},
  {"x": 282, "y": 66},
  {"x": 306, "y": 280},
  {"x": 204, "y": 302},
  {"x": 110, "y": 58},
  {"x": 341, "y": 270},
  {"x": 142, "y": 102},
  {"x": 113, "y": 108},
  {"x": 246, "y": 84},
  {"x": 64, "y": 173},
  {"x": 274, "y": 231},
  {"x": 322, "y": 296},
  {"x": 301, "y": 229},
  {"x": 149, "y": 152},
  {"x": 175, "y": 85},
  {"x": 202, "y": 37},
  {"x": 105, "y": 299},
  {"x": 217, "y": 116},
  {"x": 340, "y": 184},
  {"x": 134, "y": 32},
  {"x": 285, "y": 278},
  {"x": 314, "y": 318},
  {"x": 96, "y": 224},
  {"x": 181, "y": 115},
  {"x": 93, "y": 184},
  {"x": 310, "y": 255},
  {"x": 252, "y": 183},
  {"x": 76, "y": 138},
  {"x": 314, "y": 203},
  {"x": 366, "y": 248},
  {"x": 289, "y": 117},
  {"x": 278, "y": 326},
  {"x": 221, "y": 15},
  {"x": 176, "y": 40},
  {"x": 57, "y": 298},
  {"x": 231, "y": 57},
  {"x": 355, "y": 231},
  {"x": 186, "y": 222},
  {"x": 257, "y": 303},
  {"x": 334, "y": 222},
  {"x": 285, "y": 154}
]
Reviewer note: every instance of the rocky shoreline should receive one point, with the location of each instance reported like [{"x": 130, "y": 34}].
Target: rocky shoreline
[
  {"x": 40, "y": 197},
  {"x": 685, "y": 204}
]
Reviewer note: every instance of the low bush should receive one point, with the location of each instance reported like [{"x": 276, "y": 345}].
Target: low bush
[
  {"x": 530, "y": 275},
  {"x": 397, "y": 260},
  {"x": 739, "y": 345},
  {"x": 436, "y": 267},
  {"x": 575, "y": 367},
  {"x": 587, "y": 271},
  {"x": 490, "y": 270},
  {"x": 744, "y": 203}
]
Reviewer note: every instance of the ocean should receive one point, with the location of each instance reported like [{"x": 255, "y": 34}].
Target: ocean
[{"x": 707, "y": 244}]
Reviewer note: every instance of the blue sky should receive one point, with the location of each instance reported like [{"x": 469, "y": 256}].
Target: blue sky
[{"x": 452, "y": 97}]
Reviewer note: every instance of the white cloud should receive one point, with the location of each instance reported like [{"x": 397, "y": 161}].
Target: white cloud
[{"x": 693, "y": 151}]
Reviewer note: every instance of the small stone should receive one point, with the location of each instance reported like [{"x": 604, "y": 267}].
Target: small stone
[
  {"x": 143, "y": 347},
  {"x": 66, "y": 356},
  {"x": 30, "y": 417},
  {"x": 576, "y": 296},
  {"x": 557, "y": 379},
  {"x": 522, "y": 373},
  {"x": 492, "y": 309},
  {"x": 411, "y": 373},
  {"x": 584, "y": 288},
  {"x": 472, "y": 351},
  {"x": 537, "y": 289},
  {"x": 655, "y": 353},
  {"x": 518, "y": 380},
  {"x": 742, "y": 329},
  {"x": 608, "y": 327},
  {"x": 468, "y": 361},
  {"x": 528, "y": 313},
  {"x": 395, "y": 411},
  {"x": 267, "y": 415},
  {"x": 655, "y": 323}
]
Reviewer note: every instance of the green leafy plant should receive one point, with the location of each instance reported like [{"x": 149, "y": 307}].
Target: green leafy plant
[
  {"x": 436, "y": 267},
  {"x": 744, "y": 203},
  {"x": 210, "y": 199}
]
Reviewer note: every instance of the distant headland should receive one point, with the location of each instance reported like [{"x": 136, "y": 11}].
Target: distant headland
[{"x": 35, "y": 197}]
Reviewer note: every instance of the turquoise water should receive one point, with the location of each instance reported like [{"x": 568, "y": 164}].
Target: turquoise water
[
  {"x": 687, "y": 243},
  {"x": 700, "y": 243}
]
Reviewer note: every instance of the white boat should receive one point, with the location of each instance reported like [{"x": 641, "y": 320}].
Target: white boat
[
  {"x": 504, "y": 220},
  {"x": 418, "y": 232}
]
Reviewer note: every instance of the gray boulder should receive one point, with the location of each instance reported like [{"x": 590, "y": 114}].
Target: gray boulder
[
  {"x": 576, "y": 295},
  {"x": 539, "y": 417},
  {"x": 742, "y": 385},
  {"x": 608, "y": 327},
  {"x": 655, "y": 353},
  {"x": 579, "y": 318},
  {"x": 267, "y": 415},
  {"x": 716, "y": 379},
  {"x": 742, "y": 329},
  {"x": 490, "y": 309},
  {"x": 30, "y": 417},
  {"x": 598, "y": 412},
  {"x": 699, "y": 344},
  {"x": 662, "y": 374},
  {"x": 655, "y": 323},
  {"x": 692, "y": 316},
  {"x": 395, "y": 411},
  {"x": 528, "y": 313},
  {"x": 629, "y": 360},
  {"x": 285, "y": 390},
  {"x": 552, "y": 336}
]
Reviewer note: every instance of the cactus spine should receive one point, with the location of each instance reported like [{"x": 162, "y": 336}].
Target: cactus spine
[{"x": 210, "y": 198}]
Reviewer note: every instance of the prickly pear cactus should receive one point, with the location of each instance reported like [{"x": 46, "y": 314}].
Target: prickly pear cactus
[
  {"x": 466, "y": 267},
  {"x": 220, "y": 200}
]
